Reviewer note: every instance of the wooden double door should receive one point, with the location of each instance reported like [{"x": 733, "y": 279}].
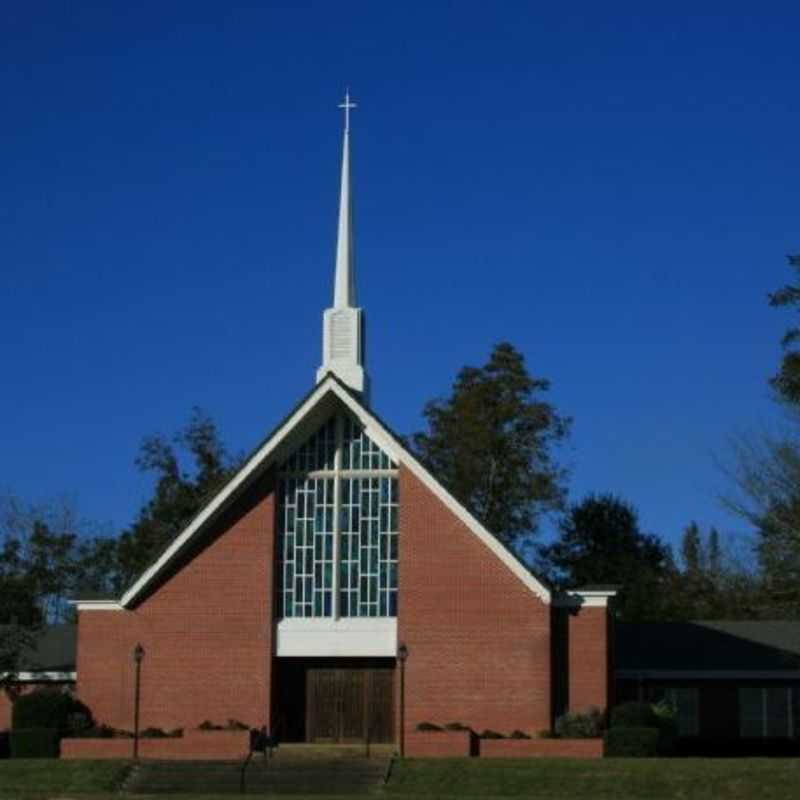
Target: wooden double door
[{"x": 350, "y": 705}]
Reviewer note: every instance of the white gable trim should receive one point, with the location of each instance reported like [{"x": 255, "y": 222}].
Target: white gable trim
[
  {"x": 97, "y": 605},
  {"x": 378, "y": 433}
]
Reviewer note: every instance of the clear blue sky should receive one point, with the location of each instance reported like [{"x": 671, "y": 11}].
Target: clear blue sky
[{"x": 612, "y": 187}]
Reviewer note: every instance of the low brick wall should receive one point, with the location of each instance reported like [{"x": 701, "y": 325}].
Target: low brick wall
[
  {"x": 439, "y": 744},
  {"x": 541, "y": 748},
  {"x": 194, "y": 744}
]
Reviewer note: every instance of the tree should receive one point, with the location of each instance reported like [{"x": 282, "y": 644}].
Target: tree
[
  {"x": 765, "y": 472},
  {"x": 490, "y": 443},
  {"x": 787, "y": 381},
  {"x": 600, "y": 542},
  {"x": 178, "y": 494},
  {"x": 692, "y": 548}
]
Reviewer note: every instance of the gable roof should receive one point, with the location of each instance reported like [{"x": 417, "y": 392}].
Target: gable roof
[
  {"x": 52, "y": 649},
  {"x": 315, "y": 403},
  {"x": 761, "y": 645}
]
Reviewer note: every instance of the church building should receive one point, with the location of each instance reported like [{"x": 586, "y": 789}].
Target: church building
[{"x": 333, "y": 589}]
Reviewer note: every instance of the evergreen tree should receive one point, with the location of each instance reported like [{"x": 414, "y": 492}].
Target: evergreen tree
[
  {"x": 691, "y": 548},
  {"x": 600, "y": 542},
  {"x": 787, "y": 381},
  {"x": 491, "y": 441}
]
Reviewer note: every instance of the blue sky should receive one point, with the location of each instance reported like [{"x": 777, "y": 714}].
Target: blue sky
[{"x": 612, "y": 187}]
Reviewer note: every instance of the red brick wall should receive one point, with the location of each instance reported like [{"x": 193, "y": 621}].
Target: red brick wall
[
  {"x": 588, "y": 658},
  {"x": 541, "y": 748},
  {"x": 197, "y": 745},
  {"x": 206, "y": 631},
  {"x": 478, "y": 639}
]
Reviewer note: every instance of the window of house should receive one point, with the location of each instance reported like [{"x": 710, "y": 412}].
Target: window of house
[
  {"x": 768, "y": 712},
  {"x": 338, "y": 526}
]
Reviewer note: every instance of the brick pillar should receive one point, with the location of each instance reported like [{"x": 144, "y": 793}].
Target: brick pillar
[{"x": 588, "y": 657}]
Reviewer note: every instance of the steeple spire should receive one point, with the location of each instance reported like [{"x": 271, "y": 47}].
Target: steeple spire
[
  {"x": 345, "y": 289},
  {"x": 343, "y": 324}
]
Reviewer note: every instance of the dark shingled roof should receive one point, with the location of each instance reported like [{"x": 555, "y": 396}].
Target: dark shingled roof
[
  {"x": 697, "y": 646},
  {"x": 53, "y": 651}
]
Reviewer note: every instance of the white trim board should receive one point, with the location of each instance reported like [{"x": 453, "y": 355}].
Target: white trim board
[
  {"x": 344, "y": 637},
  {"x": 42, "y": 675},
  {"x": 378, "y": 433}
]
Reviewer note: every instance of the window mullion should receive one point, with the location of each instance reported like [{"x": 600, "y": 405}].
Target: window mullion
[{"x": 337, "y": 517}]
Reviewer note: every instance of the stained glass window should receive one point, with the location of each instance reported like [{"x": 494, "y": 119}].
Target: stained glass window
[{"x": 338, "y": 496}]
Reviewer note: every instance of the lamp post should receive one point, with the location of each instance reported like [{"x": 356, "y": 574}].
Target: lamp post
[
  {"x": 138, "y": 655},
  {"x": 402, "y": 655}
]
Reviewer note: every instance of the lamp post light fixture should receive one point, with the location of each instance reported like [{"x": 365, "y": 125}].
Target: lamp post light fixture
[
  {"x": 402, "y": 655},
  {"x": 138, "y": 655}
]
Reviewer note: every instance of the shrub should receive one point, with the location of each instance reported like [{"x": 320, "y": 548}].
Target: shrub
[
  {"x": 95, "y": 732},
  {"x": 153, "y": 733},
  {"x": 519, "y": 735},
  {"x": 631, "y": 742},
  {"x": 34, "y": 743},
  {"x": 634, "y": 715},
  {"x": 50, "y": 708},
  {"x": 456, "y": 726},
  {"x": 236, "y": 725},
  {"x": 489, "y": 734},
  {"x": 574, "y": 725},
  {"x": 428, "y": 726},
  {"x": 546, "y": 733},
  {"x": 207, "y": 725}
]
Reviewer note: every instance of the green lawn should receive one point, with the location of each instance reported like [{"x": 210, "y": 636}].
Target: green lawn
[
  {"x": 607, "y": 779},
  {"x": 448, "y": 779},
  {"x": 45, "y": 776}
]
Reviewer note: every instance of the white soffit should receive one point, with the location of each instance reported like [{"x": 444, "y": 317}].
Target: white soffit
[
  {"x": 378, "y": 433},
  {"x": 346, "y": 637}
]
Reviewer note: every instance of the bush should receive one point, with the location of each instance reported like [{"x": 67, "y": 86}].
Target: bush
[
  {"x": 519, "y": 735},
  {"x": 631, "y": 742},
  {"x": 236, "y": 725},
  {"x": 634, "y": 715},
  {"x": 95, "y": 732},
  {"x": 428, "y": 726},
  {"x": 456, "y": 726},
  {"x": 574, "y": 725},
  {"x": 489, "y": 734},
  {"x": 34, "y": 743},
  {"x": 51, "y": 708}
]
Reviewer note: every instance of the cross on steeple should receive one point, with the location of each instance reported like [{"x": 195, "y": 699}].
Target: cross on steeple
[
  {"x": 347, "y": 105},
  {"x": 343, "y": 322}
]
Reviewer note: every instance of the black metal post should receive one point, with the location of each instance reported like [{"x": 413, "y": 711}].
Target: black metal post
[
  {"x": 402, "y": 655},
  {"x": 138, "y": 655}
]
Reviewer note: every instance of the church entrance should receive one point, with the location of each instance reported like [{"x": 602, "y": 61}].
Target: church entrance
[
  {"x": 349, "y": 705},
  {"x": 336, "y": 701}
]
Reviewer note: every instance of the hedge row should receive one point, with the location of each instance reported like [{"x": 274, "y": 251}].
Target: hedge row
[{"x": 34, "y": 743}]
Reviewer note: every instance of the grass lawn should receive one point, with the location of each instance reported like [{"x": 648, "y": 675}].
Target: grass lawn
[
  {"x": 448, "y": 779},
  {"x": 620, "y": 779},
  {"x": 45, "y": 776}
]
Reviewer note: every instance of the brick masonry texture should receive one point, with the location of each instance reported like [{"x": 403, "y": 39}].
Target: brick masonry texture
[
  {"x": 541, "y": 748},
  {"x": 206, "y": 631},
  {"x": 588, "y": 659},
  {"x": 195, "y": 745},
  {"x": 478, "y": 639}
]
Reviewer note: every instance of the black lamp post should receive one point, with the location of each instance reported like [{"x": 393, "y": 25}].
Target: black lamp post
[
  {"x": 402, "y": 655},
  {"x": 138, "y": 655}
]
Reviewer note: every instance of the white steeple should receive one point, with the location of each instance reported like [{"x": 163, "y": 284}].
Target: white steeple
[{"x": 343, "y": 325}]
